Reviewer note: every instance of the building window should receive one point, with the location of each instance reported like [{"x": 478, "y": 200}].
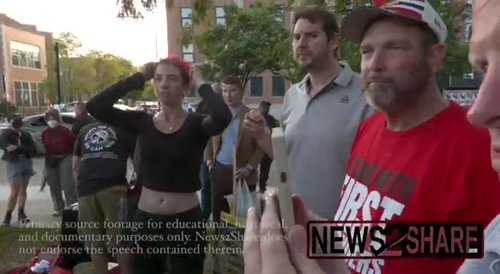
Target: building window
[
  {"x": 188, "y": 53},
  {"x": 186, "y": 17},
  {"x": 27, "y": 94},
  {"x": 24, "y": 55},
  {"x": 34, "y": 94},
  {"x": 220, "y": 16},
  {"x": 279, "y": 14},
  {"x": 256, "y": 86},
  {"x": 278, "y": 86}
]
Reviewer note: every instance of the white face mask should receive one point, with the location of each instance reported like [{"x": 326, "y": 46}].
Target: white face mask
[{"x": 52, "y": 123}]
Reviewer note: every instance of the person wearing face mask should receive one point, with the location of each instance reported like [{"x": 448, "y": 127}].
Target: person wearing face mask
[
  {"x": 59, "y": 142},
  {"x": 18, "y": 147}
]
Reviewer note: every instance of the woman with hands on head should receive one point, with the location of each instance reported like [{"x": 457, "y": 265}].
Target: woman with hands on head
[
  {"x": 267, "y": 251},
  {"x": 172, "y": 143}
]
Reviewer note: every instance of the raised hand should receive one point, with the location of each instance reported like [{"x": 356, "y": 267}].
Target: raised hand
[
  {"x": 254, "y": 124},
  {"x": 148, "y": 70},
  {"x": 267, "y": 251}
]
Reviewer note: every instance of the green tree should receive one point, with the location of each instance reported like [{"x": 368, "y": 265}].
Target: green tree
[
  {"x": 77, "y": 77},
  {"x": 148, "y": 94},
  {"x": 68, "y": 47},
  {"x": 69, "y": 44},
  {"x": 252, "y": 41},
  {"x": 48, "y": 85},
  {"x": 83, "y": 74},
  {"x": 456, "y": 63},
  {"x": 109, "y": 68},
  {"x": 127, "y": 8}
]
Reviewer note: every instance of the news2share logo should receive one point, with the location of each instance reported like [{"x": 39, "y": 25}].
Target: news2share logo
[{"x": 364, "y": 240}]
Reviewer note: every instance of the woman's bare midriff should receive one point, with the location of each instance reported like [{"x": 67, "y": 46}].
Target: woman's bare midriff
[{"x": 166, "y": 203}]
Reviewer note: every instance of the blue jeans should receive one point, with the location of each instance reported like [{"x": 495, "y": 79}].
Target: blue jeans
[
  {"x": 20, "y": 169},
  {"x": 206, "y": 195}
]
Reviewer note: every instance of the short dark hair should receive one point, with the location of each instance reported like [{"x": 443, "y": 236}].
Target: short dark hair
[
  {"x": 233, "y": 80},
  {"x": 14, "y": 117},
  {"x": 319, "y": 14},
  {"x": 53, "y": 113}
]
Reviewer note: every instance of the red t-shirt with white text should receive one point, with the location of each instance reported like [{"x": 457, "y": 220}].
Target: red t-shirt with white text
[{"x": 439, "y": 171}]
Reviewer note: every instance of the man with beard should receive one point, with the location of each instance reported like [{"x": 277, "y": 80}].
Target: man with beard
[
  {"x": 417, "y": 160},
  {"x": 484, "y": 47},
  {"x": 320, "y": 115}
]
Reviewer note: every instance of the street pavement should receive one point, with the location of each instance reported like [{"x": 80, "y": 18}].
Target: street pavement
[{"x": 39, "y": 205}]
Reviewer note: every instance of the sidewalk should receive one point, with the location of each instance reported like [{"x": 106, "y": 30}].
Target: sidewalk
[{"x": 38, "y": 207}]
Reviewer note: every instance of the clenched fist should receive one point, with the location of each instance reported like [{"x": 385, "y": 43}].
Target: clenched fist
[
  {"x": 254, "y": 124},
  {"x": 196, "y": 77},
  {"x": 148, "y": 70}
]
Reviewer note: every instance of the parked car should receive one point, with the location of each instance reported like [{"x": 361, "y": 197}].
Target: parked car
[
  {"x": 70, "y": 107},
  {"x": 37, "y": 123}
]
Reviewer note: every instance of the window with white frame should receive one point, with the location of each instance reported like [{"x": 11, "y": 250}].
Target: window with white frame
[
  {"x": 27, "y": 94},
  {"x": 220, "y": 15},
  {"x": 188, "y": 53},
  {"x": 279, "y": 13},
  {"x": 25, "y": 55},
  {"x": 186, "y": 17}
]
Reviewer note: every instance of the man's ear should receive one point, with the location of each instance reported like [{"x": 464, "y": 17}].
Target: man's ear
[
  {"x": 436, "y": 57},
  {"x": 334, "y": 41}
]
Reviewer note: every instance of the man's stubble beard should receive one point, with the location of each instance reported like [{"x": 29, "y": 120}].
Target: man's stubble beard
[
  {"x": 396, "y": 97},
  {"x": 317, "y": 63}
]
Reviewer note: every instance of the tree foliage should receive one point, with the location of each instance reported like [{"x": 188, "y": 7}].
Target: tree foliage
[
  {"x": 250, "y": 42},
  {"x": 456, "y": 62},
  {"x": 128, "y": 9},
  {"x": 82, "y": 74}
]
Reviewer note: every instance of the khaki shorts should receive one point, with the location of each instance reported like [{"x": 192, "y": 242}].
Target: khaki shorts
[{"x": 94, "y": 211}]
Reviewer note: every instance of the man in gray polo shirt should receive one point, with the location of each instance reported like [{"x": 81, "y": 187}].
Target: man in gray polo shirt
[{"x": 320, "y": 115}]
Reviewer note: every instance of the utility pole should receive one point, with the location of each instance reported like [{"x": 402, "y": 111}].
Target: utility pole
[
  {"x": 156, "y": 44},
  {"x": 58, "y": 74},
  {"x": 4, "y": 86}
]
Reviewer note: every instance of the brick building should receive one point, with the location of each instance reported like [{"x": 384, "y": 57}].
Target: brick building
[
  {"x": 264, "y": 87},
  {"x": 23, "y": 62}
]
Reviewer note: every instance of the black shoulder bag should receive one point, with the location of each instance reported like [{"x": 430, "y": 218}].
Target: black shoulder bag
[{"x": 129, "y": 204}]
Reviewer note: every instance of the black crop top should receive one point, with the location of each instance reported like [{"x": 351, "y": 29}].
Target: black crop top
[{"x": 169, "y": 162}]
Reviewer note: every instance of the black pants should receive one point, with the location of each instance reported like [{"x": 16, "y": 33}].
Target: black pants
[
  {"x": 174, "y": 252},
  {"x": 265, "y": 166}
]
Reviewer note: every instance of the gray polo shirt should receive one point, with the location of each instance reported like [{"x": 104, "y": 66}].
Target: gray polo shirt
[
  {"x": 319, "y": 132},
  {"x": 490, "y": 263}
]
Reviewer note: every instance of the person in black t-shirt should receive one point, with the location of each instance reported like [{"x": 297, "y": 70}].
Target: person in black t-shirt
[
  {"x": 100, "y": 169},
  {"x": 82, "y": 118},
  {"x": 206, "y": 193},
  {"x": 171, "y": 144}
]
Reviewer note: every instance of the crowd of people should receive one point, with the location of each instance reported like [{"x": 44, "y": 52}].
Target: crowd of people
[{"x": 382, "y": 145}]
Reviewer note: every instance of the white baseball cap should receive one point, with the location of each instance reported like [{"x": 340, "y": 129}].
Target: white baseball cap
[{"x": 357, "y": 22}]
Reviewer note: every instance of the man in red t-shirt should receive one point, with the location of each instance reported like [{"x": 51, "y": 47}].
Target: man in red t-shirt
[{"x": 418, "y": 159}]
